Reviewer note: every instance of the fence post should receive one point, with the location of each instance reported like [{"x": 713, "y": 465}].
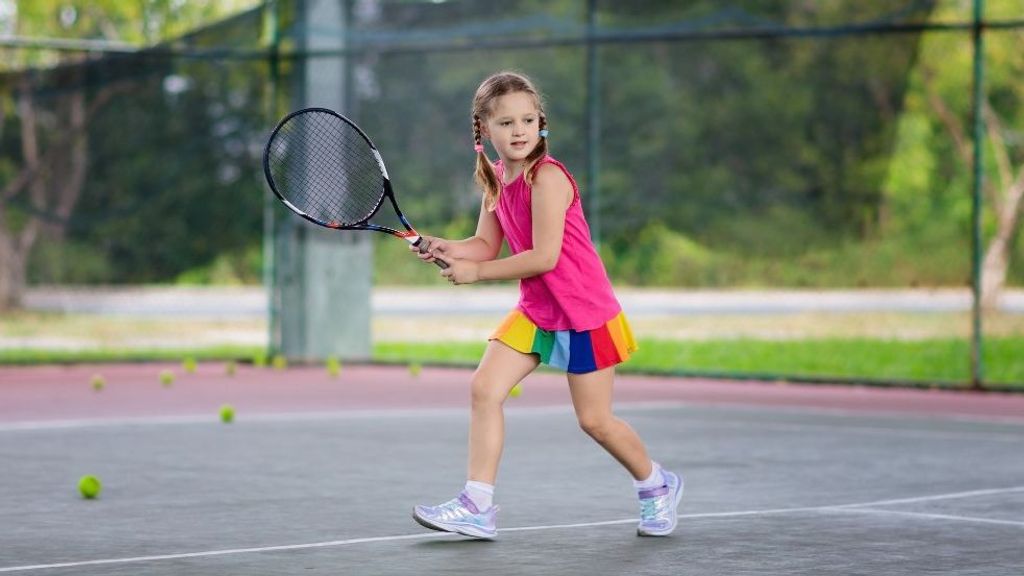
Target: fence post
[
  {"x": 322, "y": 278},
  {"x": 977, "y": 361}
]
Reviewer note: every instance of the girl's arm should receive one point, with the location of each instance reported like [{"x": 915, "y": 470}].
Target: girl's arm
[
  {"x": 551, "y": 195},
  {"x": 484, "y": 245}
]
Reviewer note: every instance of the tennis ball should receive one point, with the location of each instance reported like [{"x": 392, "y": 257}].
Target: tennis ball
[
  {"x": 333, "y": 367},
  {"x": 227, "y": 414},
  {"x": 98, "y": 382},
  {"x": 415, "y": 368},
  {"x": 189, "y": 364},
  {"x": 166, "y": 378},
  {"x": 280, "y": 362},
  {"x": 230, "y": 368},
  {"x": 515, "y": 392},
  {"x": 259, "y": 359},
  {"x": 89, "y": 486}
]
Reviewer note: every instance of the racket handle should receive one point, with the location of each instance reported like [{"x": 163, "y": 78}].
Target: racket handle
[{"x": 423, "y": 245}]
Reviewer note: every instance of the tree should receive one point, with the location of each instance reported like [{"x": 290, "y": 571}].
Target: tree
[
  {"x": 42, "y": 184},
  {"x": 946, "y": 87}
]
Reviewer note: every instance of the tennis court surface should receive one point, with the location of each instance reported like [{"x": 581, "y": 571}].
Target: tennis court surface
[{"x": 318, "y": 475}]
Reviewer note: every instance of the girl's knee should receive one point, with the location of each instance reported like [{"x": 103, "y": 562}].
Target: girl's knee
[
  {"x": 597, "y": 426},
  {"x": 485, "y": 390}
]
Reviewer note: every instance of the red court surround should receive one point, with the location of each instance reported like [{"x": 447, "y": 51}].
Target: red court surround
[{"x": 46, "y": 393}]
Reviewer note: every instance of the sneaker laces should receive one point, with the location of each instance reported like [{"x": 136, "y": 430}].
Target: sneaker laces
[
  {"x": 456, "y": 508},
  {"x": 452, "y": 508},
  {"x": 648, "y": 508},
  {"x": 651, "y": 500}
]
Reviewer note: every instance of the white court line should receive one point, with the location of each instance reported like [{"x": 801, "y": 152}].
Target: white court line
[
  {"x": 352, "y": 541},
  {"x": 897, "y": 415},
  {"x": 888, "y": 432},
  {"x": 218, "y": 552},
  {"x": 264, "y": 417},
  {"x": 928, "y": 515},
  {"x": 951, "y": 496},
  {"x": 359, "y": 414},
  {"x": 349, "y": 542}
]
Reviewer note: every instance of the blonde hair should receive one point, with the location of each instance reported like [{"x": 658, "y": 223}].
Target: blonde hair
[{"x": 490, "y": 90}]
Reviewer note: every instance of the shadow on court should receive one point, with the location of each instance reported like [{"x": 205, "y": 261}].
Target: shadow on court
[{"x": 300, "y": 483}]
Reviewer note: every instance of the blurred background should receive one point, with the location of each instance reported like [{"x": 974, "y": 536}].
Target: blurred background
[{"x": 784, "y": 189}]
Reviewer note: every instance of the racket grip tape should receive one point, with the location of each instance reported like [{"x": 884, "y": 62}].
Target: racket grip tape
[{"x": 423, "y": 245}]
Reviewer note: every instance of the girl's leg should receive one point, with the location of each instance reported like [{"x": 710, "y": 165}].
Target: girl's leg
[
  {"x": 500, "y": 369},
  {"x": 592, "y": 400}
]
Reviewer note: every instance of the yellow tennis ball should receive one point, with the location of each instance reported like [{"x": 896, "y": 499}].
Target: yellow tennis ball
[
  {"x": 89, "y": 486},
  {"x": 227, "y": 414},
  {"x": 280, "y": 362},
  {"x": 333, "y": 367},
  {"x": 98, "y": 382},
  {"x": 515, "y": 392},
  {"x": 189, "y": 364},
  {"x": 415, "y": 368},
  {"x": 166, "y": 378},
  {"x": 230, "y": 368}
]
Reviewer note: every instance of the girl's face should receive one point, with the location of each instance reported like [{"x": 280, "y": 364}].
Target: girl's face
[{"x": 513, "y": 126}]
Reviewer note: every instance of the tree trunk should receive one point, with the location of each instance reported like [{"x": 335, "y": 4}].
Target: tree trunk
[
  {"x": 54, "y": 180},
  {"x": 69, "y": 159},
  {"x": 12, "y": 273},
  {"x": 1005, "y": 197},
  {"x": 997, "y": 256},
  {"x": 16, "y": 244}
]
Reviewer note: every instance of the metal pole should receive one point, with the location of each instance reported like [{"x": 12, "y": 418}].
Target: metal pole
[
  {"x": 593, "y": 127},
  {"x": 272, "y": 40},
  {"x": 977, "y": 363}
]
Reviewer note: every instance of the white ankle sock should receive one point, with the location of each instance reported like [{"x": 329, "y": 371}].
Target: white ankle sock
[
  {"x": 655, "y": 480},
  {"x": 481, "y": 493}
]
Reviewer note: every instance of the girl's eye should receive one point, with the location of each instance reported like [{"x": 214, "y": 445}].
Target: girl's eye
[
  {"x": 505, "y": 123},
  {"x": 529, "y": 120}
]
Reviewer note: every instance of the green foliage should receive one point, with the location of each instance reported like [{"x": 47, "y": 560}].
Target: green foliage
[
  {"x": 395, "y": 264},
  {"x": 923, "y": 361},
  {"x": 68, "y": 262},
  {"x": 232, "y": 268},
  {"x": 58, "y": 356},
  {"x": 659, "y": 256},
  {"x": 935, "y": 360},
  {"x": 141, "y": 21},
  {"x": 756, "y": 162}
]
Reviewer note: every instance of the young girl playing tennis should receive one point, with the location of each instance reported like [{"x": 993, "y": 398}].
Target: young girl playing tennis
[{"x": 567, "y": 316}]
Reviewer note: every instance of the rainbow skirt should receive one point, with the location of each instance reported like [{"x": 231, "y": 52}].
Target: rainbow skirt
[{"x": 569, "y": 350}]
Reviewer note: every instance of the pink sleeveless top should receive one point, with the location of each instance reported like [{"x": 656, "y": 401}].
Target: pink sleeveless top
[{"x": 576, "y": 294}]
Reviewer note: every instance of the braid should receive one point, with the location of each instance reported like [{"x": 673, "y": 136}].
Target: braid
[
  {"x": 485, "y": 175},
  {"x": 540, "y": 151}
]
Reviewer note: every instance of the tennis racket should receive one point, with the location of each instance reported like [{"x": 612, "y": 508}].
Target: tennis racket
[{"x": 325, "y": 168}]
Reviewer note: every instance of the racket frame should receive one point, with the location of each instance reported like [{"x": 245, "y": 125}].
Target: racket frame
[{"x": 410, "y": 235}]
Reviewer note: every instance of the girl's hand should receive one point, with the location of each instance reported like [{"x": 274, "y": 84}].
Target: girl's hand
[
  {"x": 460, "y": 271},
  {"x": 431, "y": 247}
]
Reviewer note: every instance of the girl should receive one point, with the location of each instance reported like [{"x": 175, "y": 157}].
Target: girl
[{"x": 567, "y": 316}]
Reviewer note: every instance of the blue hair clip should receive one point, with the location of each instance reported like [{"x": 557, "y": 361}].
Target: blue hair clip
[{"x": 544, "y": 133}]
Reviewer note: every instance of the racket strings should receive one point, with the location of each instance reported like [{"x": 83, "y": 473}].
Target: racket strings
[{"x": 324, "y": 166}]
